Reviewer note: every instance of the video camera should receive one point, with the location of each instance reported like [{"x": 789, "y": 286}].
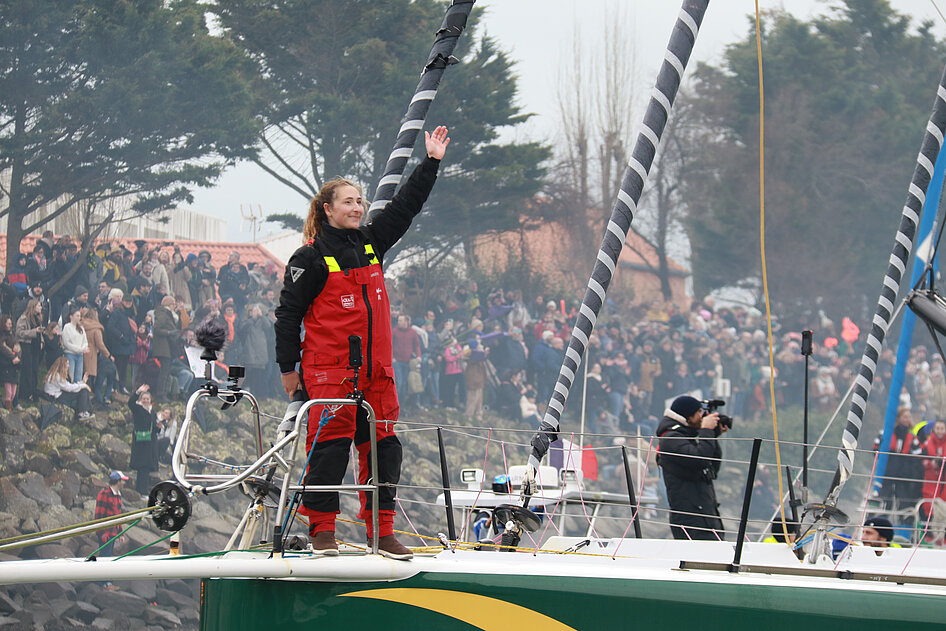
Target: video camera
[
  {"x": 234, "y": 375},
  {"x": 712, "y": 405}
]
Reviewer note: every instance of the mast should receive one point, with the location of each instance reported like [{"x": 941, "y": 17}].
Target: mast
[
  {"x": 682, "y": 39},
  {"x": 928, "y": 219},
  {"x": 441, "y": 56},
  {"x": 903, "y": 245}
]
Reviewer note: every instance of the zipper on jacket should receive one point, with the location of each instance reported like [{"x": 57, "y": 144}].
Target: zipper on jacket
[{"x": 368, "y": 342}]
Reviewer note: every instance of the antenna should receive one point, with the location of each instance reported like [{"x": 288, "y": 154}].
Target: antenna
[{"x": 255, "y": 218}]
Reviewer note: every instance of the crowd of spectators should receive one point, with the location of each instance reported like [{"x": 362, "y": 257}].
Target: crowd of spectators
[
  {"x": 640, "y": 356},
  {"x": 127, "y": 318},
  {"x": 492, "y": 348}
]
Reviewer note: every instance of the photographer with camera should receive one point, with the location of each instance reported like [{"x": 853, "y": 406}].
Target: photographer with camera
[{"x": 690, "y": 457}]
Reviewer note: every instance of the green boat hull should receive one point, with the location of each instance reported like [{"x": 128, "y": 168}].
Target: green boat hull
[{"x": 498, "y": 601}]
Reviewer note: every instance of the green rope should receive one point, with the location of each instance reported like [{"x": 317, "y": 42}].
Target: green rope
[
  {"x": 132, "y": 525},
  {"x": 147, "y": 545}
]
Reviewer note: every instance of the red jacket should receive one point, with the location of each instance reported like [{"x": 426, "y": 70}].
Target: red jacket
[
  {"x": 333, "y": 287},
  {"x": 352, "y": 302},
  {"x": 406, "y": 344},
  {"x": 934, "y": 472}
]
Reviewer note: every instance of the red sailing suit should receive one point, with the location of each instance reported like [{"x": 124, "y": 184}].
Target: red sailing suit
[
  {"x": 334, "y": 287},
  {"x": 934, "y": 474},
  {"x": 354, "y": 301}
]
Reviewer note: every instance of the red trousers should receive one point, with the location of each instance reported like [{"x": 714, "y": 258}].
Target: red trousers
[{"x": 344, "y": 425}]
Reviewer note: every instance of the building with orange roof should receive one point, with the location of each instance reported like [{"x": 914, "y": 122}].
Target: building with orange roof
[
  {"x": 250, "y": 253},
  {"x": 552, "y": 252}
]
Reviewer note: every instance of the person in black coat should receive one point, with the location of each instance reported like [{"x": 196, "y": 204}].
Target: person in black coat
[
  {"x": 144, "y": 437},
  {"x": 509, "y": 352},
  {"x": 690, "y": 457},
  {"x": 121, "y": 335}
]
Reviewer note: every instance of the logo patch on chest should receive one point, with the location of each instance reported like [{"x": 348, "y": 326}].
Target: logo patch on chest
[{"x": 348, "y": 301}]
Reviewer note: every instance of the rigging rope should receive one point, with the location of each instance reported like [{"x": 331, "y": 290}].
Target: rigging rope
[
  {"x": 765, "y": 277},
  {"x": 903, "y": 246},
  {"x": 440, "y": 56},
  {"x": 677, "y": 54},
  {"x": 943, "y": 17}
]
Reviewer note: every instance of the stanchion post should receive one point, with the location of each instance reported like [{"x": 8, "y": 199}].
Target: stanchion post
[
  {"x": 631, "y": 496},
  {"x": 447, "y": 498},
  {"x": 746, "y": 500}
]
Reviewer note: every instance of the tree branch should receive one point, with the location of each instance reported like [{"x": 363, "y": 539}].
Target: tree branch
[
  {"x": 56, "y": 213},
  {"x": 278, "y": 176},
  {"x": 289, "y": 168},
  {"x": 83, "y": 252}
]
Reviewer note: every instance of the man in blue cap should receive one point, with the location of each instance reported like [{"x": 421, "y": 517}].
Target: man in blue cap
[
  {"x": 108, "y": 503},
  {"x": 690, "y": 457}
]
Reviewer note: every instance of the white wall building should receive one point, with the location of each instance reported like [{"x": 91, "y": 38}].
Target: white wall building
[{"x": 173, "y": 225}]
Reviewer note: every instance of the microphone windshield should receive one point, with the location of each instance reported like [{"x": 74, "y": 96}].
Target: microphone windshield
[{"x": 211, "y": 334}]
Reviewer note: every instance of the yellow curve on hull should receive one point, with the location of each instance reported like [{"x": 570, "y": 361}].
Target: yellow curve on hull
[{"x": 482, "y": 612}]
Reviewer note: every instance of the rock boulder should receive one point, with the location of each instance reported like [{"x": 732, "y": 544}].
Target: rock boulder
[
  {"x": 119, "y": 602},
  {"x": 114, "y": 451},
  {"x": 32, "y": 485},
  {"x": 14, "y": 502},
  {"x": 78, "y": 461}
]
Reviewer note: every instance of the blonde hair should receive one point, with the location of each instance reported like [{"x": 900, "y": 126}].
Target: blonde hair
[
  {"x": 317, "y": 216},
  {"x": 32, "y": 318},
  {"x": 59, "y": 368}
]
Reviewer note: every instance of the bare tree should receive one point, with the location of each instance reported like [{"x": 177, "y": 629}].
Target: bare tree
[
  {"x": 576, "y": 123},
  {"x": 617, "y": 96},
  {"x": 662, "y": 209},
  {"x": 597, "y": 99}
]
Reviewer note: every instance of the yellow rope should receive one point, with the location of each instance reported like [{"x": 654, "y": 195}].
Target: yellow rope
[
  {"x": 472, "y": 545},
  {"x": 765, "y": 278}
]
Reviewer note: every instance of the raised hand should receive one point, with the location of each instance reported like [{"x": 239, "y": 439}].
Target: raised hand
[{"x": 437, "y": 142}]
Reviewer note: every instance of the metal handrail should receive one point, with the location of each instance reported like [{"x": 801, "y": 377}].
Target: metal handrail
[
  {"x": 272, "y": 457},
  {"x": 373, "y": 437}
]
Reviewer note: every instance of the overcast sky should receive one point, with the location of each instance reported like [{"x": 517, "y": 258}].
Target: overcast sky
[{"x": 538, "y": 34}]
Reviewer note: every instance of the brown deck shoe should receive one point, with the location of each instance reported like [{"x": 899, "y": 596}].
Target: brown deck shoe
[
  {"x": 390, "y": 547},
  {"x": 323, "y": 543}
]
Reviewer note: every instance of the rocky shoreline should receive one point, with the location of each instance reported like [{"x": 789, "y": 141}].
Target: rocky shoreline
[{"x": 49, "y": 479}]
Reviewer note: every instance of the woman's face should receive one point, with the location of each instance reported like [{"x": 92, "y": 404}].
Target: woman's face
[
  {"x": 939, "y": 430},
  {"x": 39, "y": 308},
  {"x": 75, "y": 316},
  {"x": 346, "y": 209},
  {"x": 142, "y": 329},
  {"x": 145, "y": 399}
]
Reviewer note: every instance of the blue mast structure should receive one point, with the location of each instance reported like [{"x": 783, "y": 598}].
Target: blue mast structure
[{"x": 930, "y": 209}]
